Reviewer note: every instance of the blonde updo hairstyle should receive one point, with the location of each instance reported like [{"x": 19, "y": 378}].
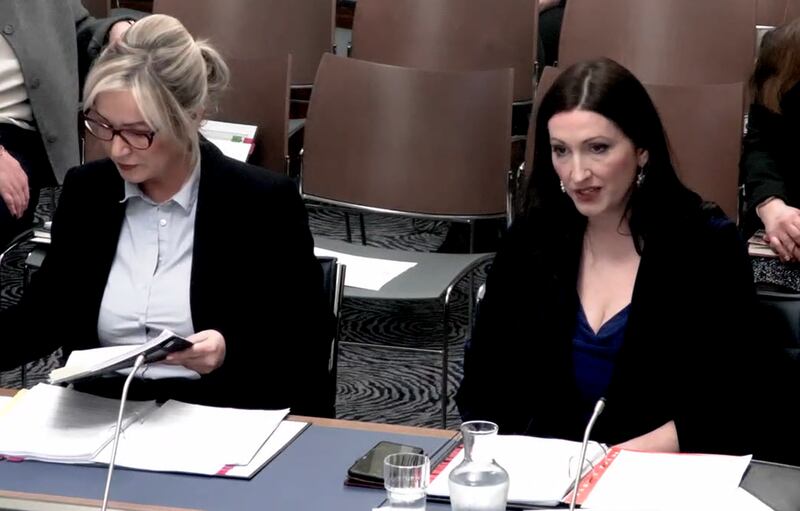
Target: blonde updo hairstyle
[{"x": 173, "y": 78}]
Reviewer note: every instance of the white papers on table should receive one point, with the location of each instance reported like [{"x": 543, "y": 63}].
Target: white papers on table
[
  {"x": 83, "y": 359},
  {"x": 236, "y": 150},
  {"x": 540, "y": 470},
  {"x": 57, "y": 424},
  {"x": 367, "y": 272},
  {"x": 4, "y": 400},
  {"x": 180, "y": 437},
  {"x": 646, "y": 481},
  {"x": 50, "y": 423},
  {"x": 234, "y": 140}
]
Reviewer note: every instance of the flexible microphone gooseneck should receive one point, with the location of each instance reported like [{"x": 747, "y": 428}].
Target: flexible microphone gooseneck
[
  {"x": 136, "y": 366},
  {"x": 598, "y": 409}
]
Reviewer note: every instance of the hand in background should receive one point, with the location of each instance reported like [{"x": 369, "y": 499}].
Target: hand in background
[
  {"x": 662, "y": 439},
  {"x": 782, "y": 226},
  {"x": 207, "y": 354},
  {"x": 117, "y": 30},
  {"x": 13, "y": 184},
  {"x": 547, "y": 4}
]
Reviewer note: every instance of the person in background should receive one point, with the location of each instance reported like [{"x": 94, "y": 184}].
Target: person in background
[
  {"x": 45, "y": 47},
  {"x": 770, "y": 165},
  {"x": 551, "y": 12},
  {"x": 617, "y": 282},
  {"x": 168, "y": 233}
]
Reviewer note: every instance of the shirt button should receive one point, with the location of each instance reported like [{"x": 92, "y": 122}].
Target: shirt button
[
  {"x": 8, "y": 29},
  {"x": 162, "y": 222},
  {"x": 51, "y": 139},
  {"x": 35, "y": 83}
]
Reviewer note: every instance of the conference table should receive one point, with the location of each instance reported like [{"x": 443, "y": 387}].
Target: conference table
[{"x": 308, "y": 475}]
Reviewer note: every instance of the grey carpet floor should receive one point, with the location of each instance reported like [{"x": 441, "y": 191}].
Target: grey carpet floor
[{"x": 375, "y": 381}]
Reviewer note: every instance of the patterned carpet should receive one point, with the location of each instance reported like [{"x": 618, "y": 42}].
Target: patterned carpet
[{"x": 375, "y": 382}]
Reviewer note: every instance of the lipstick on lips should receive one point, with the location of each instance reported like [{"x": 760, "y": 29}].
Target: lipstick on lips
[{"x": 587, "y": 193}]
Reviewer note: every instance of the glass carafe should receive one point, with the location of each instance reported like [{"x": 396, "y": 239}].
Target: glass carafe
[{"x": 478, "y": 483}]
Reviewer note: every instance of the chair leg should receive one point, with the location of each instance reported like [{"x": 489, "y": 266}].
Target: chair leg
[
  {"x": 348, "y": 230},
  {"x": 363, "y": 229},
  {"x": 445, "y": 353}
]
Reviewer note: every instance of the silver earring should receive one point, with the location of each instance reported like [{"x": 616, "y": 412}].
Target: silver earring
[
  {"x": 563, "y": 188},
  {"x": 640, "y": 177}
]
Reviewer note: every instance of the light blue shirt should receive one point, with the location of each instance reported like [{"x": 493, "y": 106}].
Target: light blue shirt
[{"x": 149, "y": 282}]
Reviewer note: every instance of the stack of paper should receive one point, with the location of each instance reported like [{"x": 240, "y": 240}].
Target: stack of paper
[
  {"x": 236, "y": 141},
  {"x": 757, "y": 247},
  {"x": 51, "y": 423},
  {"x": 541, "y": 470}
]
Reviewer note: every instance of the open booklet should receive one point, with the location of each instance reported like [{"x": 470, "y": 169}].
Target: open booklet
[
  {"x": 541, "y": 470},
  {"x": 236, "y": 141},
  {"x": 101, "y": 361},
  {"x": 57, "y": 424}
]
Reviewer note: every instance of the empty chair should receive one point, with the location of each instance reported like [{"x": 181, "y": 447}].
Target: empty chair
[
  {"x": 673, "y": 42},
  {"x": 770, "y": 12},
  {"x": 423, "y": 143},
  {"x": 255, "y": 28},
  {"x": 259, "y": 94},
  {"x": 704, "y": 124},
  {"x": 450, "y": 35}
]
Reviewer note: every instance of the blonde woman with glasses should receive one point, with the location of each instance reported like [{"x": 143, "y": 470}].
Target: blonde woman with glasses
[{"x": 168, "y": 233}]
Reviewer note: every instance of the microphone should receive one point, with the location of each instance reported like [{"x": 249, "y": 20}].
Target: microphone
[
  {"x": 598, "y": 409},
  {"x": 136, "y": 366}
]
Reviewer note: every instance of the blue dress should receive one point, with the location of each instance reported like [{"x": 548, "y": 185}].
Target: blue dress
[{"x": 594, "y": 354}]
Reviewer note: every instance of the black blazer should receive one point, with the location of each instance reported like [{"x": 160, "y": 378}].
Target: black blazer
[
  {"x": 685, "y": 357},
  {"x": 770, "y": 162},
  {"x": 254, "y": 278}
]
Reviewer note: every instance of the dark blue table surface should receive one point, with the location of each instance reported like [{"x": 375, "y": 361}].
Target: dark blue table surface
[{"x": 308, "y": 475}]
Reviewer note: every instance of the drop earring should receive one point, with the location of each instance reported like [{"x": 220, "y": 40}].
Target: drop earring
[
  {"x": 563, "y": 188},
  {"x": 640, "y": 177}
]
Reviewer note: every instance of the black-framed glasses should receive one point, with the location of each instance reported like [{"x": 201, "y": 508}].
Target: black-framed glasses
[{"x": 137, "y": 139}]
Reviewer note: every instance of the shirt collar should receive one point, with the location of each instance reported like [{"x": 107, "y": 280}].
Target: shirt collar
[{"x": 185, "y": 197}]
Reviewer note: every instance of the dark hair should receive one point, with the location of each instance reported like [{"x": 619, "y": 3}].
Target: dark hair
[
  {"x": 605, "y": 87},
  {"x": 778, "y": 67}
]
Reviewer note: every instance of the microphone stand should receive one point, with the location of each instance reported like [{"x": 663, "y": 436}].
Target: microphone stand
[
  {"x": 136, "y": 366},
  {"x": 598, "y": 409}
]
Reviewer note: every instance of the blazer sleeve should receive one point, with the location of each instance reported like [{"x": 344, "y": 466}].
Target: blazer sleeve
[
  {"x": 761, "y": 174},
  {"x": 39, "y": 323},
  {"x": 487, "y": 390},
  {"x": 280, "y": 327},
  {"x": 724, "y": 374}
]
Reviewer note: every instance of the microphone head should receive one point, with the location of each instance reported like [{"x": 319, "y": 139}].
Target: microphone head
[{"x": 601, "y": 404}]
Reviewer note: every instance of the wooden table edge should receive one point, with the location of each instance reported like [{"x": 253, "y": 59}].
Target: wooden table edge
[{"x": 112, "y": 505}]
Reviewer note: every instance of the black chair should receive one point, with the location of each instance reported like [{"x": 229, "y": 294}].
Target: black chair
[
  {"x": 333, "y": 286},
  {"x": 780, "y": 311}
]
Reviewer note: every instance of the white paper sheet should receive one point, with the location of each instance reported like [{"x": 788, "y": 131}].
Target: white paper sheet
[
  {"x": 367, "y": 272},
  {"x": 4, "y": 400},
  {"x": 661, "y": 481},
  {"x": 275, "y": 444},
  {"x": 181, "y": 437},
  {"x": 236, "y": 150},
  {"x": 539, "y": 469},
  {"x": 84, "y": 359},
  {"x": 58, "y": 424}
]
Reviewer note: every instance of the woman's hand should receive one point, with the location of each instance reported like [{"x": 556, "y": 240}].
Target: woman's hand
[
  {"x": 547, "y": 4},
  {"x": 118, "y": 29},
  {"x": 782, "y": 226},
  {"x": 661, "y": 439},
  {"x": 13, "y": 184},
  {"x": 207, "y": 354}
]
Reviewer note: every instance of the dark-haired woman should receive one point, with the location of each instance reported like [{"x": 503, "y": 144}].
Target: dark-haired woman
[{"x": 617, "y": 282}]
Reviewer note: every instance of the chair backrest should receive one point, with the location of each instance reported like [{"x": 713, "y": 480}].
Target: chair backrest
[
  {"x": 430, "y": 143},
  {"x": 259, "y": 95},
  {"x": 792, "y": 11},
  {"x": 333, "y": 275},
  {"x": 461, "y": 35},
  {"x": 704, "y": 124},
  {"x": 673, "y": 42},
  {"x": 98, "y": 8},
  {"x": 255, "y": 28},
  {"x": 770, "y": 12}
]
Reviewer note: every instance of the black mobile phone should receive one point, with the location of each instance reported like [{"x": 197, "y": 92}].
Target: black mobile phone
[{"x": 369, "y": 467}]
